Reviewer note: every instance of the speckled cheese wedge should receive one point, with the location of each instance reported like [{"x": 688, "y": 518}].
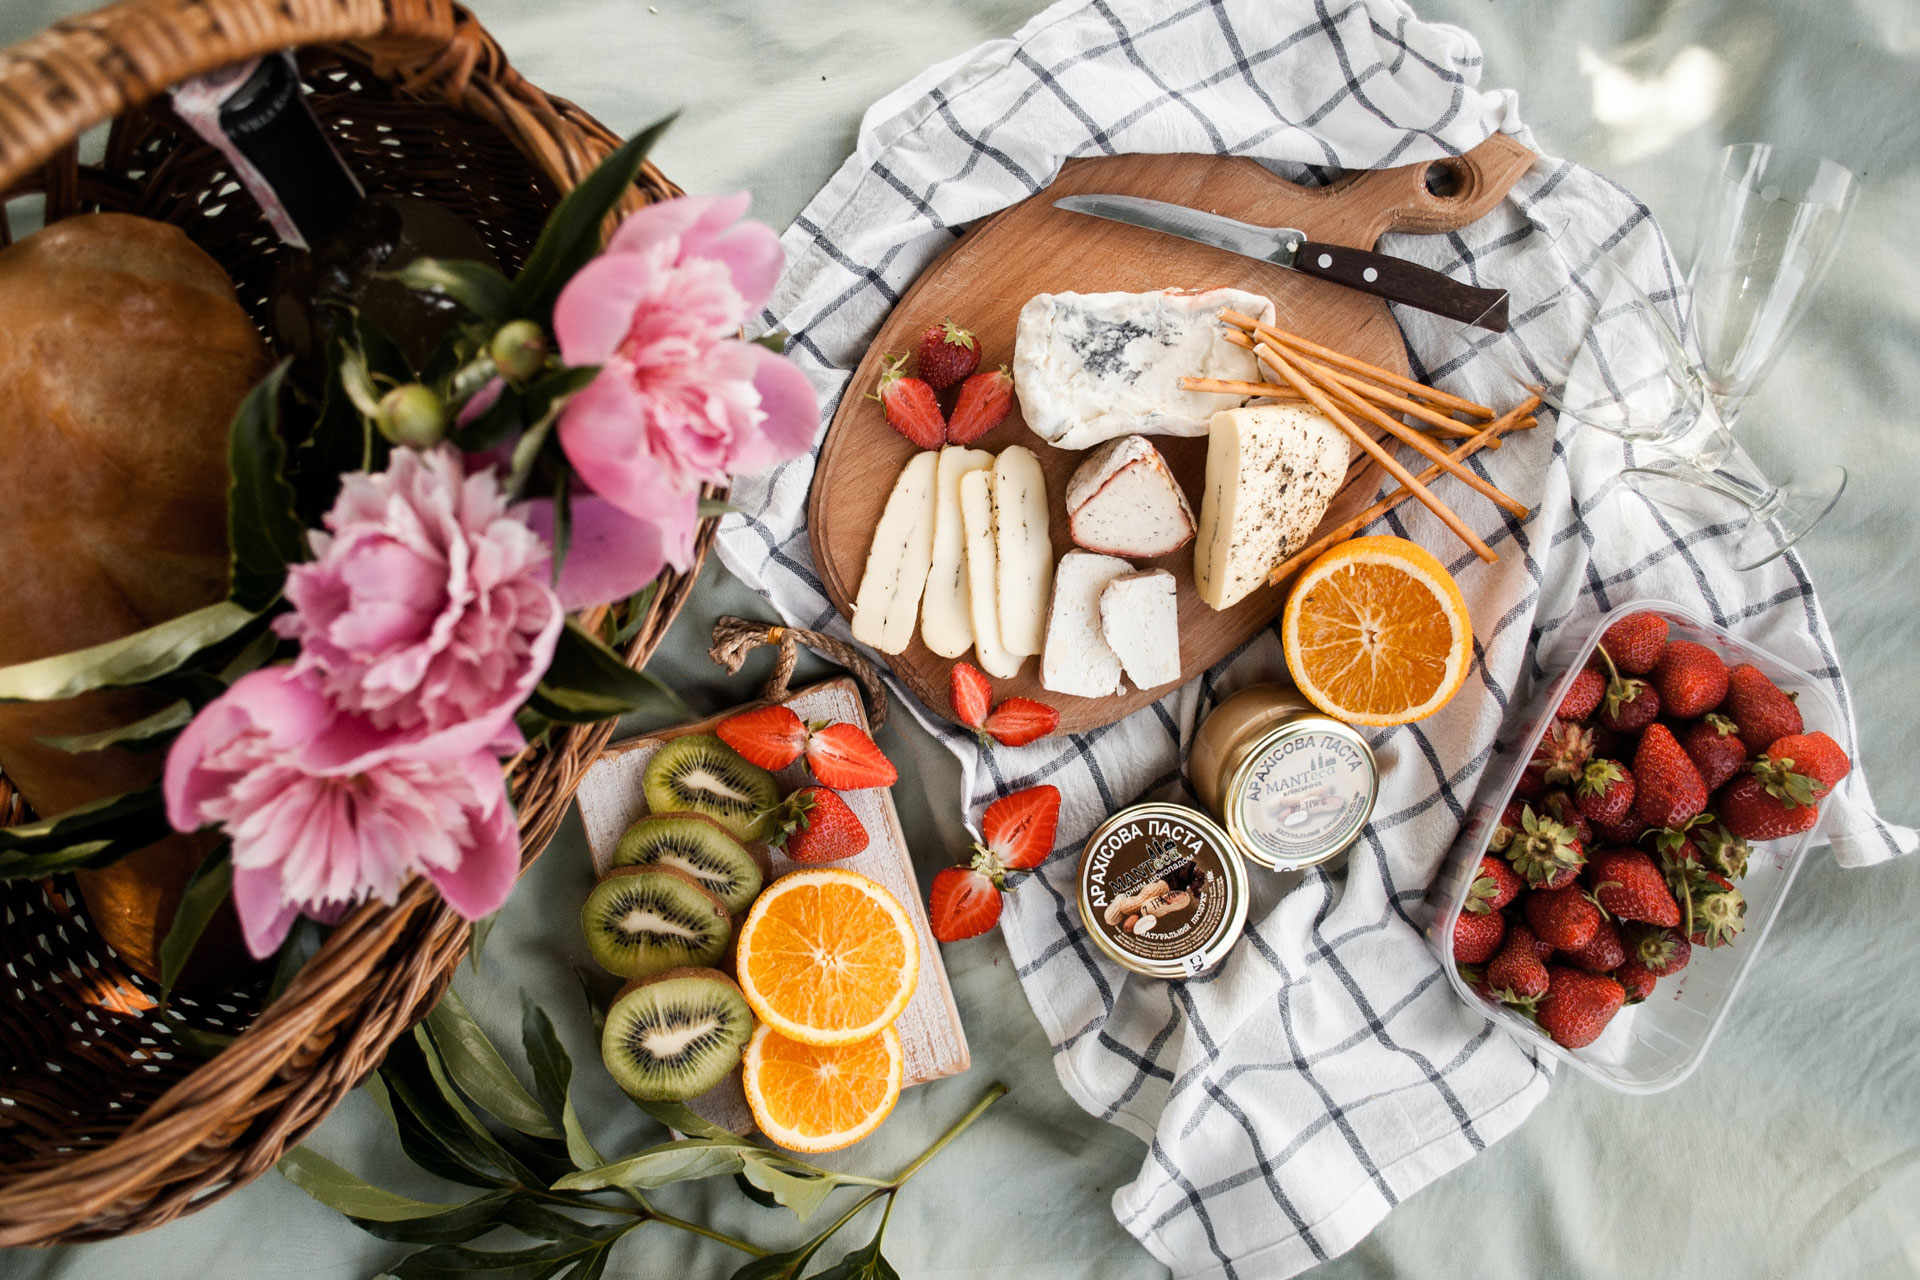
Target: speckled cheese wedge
[
  {"x": 888, "y": 604},
  {"x": 1271, "y": 470},
  {"x": 976, "y": 519},
  {"x": 1023, "y": 576},
  {"x": 1078, "y": 660},
  {"x": 1140, "y": 619},
  {"x": 946, "y": 619}
]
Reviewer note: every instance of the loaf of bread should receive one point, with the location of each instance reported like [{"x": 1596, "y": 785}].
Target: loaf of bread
[{"x": 123, "y": 354}]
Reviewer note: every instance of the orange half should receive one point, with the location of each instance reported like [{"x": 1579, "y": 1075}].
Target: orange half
[
  {"x": 827, "y": 957},
  {"x": 809, "y": 1097},
  {"x": 1377, "y": 633}
]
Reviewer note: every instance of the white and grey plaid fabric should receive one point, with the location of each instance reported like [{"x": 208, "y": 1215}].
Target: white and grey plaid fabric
[{"x": 1325, "y": 1071}]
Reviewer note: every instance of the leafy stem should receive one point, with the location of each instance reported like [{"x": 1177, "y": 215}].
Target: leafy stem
[{"x": 993, "y": 1095}]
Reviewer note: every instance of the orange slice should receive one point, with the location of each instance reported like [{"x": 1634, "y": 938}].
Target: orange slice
[
  {"x": 827, "y": 957},
  {"x": 1376, "y": 632},
  {"x": 815, "y": 1098}
]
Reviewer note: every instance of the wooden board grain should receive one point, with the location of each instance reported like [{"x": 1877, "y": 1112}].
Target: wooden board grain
[
  {"x": 1032, "y": 247},
  {"x": 931, "y": 1038}
]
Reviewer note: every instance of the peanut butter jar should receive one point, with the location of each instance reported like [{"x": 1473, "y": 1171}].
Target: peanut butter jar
[
  {"x": 1162, "y": 890},
  {"x": 1291, "y": 785}
]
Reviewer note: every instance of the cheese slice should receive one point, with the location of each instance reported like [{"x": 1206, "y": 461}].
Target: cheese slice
[
  {"x": 1023, "y": 547},
  {"x": 1092, "y": 366},
  {"x": 888, "y": 603},
  {"x": 946, "y": 621},
  {"x": 1124, "y": 501},
  {"x": 1140, "y": 619},
  {"x": 1078, "y": 660},
  {"x": 976, "y": 519},
  {"x": 1271, "y": 470}
]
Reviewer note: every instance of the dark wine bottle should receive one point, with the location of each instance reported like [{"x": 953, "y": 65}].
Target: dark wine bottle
[{"x": 342, "y": 243}]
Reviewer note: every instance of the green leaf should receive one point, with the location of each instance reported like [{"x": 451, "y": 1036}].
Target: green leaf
[
  {"x": 211, "y": 882},
  {"x": 553, "y": 1079},
  {"x": 562, "y": 522},
  {"x": 462, "y": 1222},
  {"x": 774, "y": 340},
  {"x": 431, "y": 1132},
  {"x": 803, "y": 1193},
  {"x": 587, "y": 682},
  {"x": 130, "y": 660},
  {"x": 302, "y": 944},
  {"x": 634, "y": 609},
  {"x": 710, "y": 507},
  {"x": 478, "y": 287},
  {"x": 596, "y": 1007},
  {"x": 681, "y": 1118},
  {"x": 865, "y": 1263},
  {"x": 477, "y": 1067},
  {"x": 143, "y": 733},
  {"x": 572, "y": 233},
  {"x": 670, "y": 1162},
  {"x": 455, "y": 1262},
  {"x": 93, "y": 835},
  {"x": 347, "y": 1193},
  {"x": 482, "y": 929},
  {"x": 515, "y": 1165},
  {"x": 263, "y": 533}
]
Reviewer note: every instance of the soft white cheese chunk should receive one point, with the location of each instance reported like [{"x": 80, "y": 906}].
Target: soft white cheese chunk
[
  {"x": 1124, "y": 501},
  {"x": 946, "y": 622},
  {"x": 1024, "y": 549},
  {"x": 888, "y": 603},
  {"x": 1271, "y": 470},
  {"x": 983, "y": 600},
  {"x": 1092, "y": 366},
  {"x": 1140, "y": 620},
  {"x": 1078, "y": 659}
]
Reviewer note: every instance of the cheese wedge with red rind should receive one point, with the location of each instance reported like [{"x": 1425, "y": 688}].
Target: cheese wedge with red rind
[{"x": 1124, "y": 501}]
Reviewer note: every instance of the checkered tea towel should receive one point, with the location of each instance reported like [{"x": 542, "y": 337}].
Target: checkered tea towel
[{"x": 1326, "y": 1071}]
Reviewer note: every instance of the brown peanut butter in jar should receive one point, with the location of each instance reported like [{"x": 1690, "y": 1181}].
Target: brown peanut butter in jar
[{"x": 1162, "y": 890}]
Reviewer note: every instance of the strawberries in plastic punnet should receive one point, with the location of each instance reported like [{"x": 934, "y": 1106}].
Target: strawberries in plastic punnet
[
  {"x": 1715, "y": 746},
  {"x": 1578, "y": 1005},
  {"x": 1762, "y": 710},
  {"x": 1516, "y": 975},
  {"x": 1477, "y": 937},
  {"x": 1660, "y": 951},
  {"x": 1602, "y": 953},
  {"x": 1494, "y": 885},
  {"x": 1628, "y": 886},
  {"x": 1547, "y": 854},
  {"x": 1567, "y": 918},
  {"x": 1634, "y": 643},
  {"x": 1691, "y": 679},
  {"x": 1583, "y": 696},
  {"x": 1667, "y": 788}
]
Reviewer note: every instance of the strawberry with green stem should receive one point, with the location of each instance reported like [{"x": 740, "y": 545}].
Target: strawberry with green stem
[
  {"x": 1605, "y": 793},
  {"x": 1630, "y": 704},
  {"x": 1558, "y": 758},
  {"x": 1691, "y": 678},
  {"x": 1628, "y": 886},
  {"x": 1661, "y": 952},
  {"x": 1713, "y": 742},
  {"x": 814, "y": 824},
  {"x": 1668, "y": 789},
  {"x": 948, "y": 353},
  {"x": 1495, "y": 884},
  {"x": 1516, "y": 974},
  {"x": 911, "y": 407},
  {"x": 1546, "y": 853},
  {"x": 1578, "y": 1005},
  {"x": 1763, "y": 711},
  {"x": 1017, "y": 833}
]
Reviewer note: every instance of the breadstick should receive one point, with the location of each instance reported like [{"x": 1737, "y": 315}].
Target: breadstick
[
  {"x": 1229, "y": 387},
  {"x": 1298, "y": 344}
]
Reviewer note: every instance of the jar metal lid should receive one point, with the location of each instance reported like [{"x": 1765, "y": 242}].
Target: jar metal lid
[
  {"x": 1163, "y": 891},
  {"x": 1300, "y": 793}
]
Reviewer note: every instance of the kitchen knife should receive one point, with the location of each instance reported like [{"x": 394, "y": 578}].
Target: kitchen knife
[{"x": 1394, "y": 279}]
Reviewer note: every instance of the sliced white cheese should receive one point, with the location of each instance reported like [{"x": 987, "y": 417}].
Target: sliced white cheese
[
  {"x": 1140, "y": 620},
  {"x": 888, "y": 603},
  {"x": 946, "y": 623},
  {"x": 1023, "y": 547},
  {"x": 1078, "y": 660},
  {"x": 976, "y": 519},
  {"x": 1271, "y": 470},
  {"x": 1124, "y": 501},
  {"x": 1091, "y": 366}
]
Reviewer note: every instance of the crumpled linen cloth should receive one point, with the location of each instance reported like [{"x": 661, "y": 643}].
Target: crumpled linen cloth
[{"x": 1325, "y": 1071}]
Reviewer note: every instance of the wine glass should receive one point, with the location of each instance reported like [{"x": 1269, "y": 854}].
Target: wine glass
[{"x": 1597, "y": 349}]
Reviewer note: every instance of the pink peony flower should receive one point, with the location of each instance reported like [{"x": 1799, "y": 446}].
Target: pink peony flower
[
  {"x": 679, "y": 401},
  {"x": 309, "y": 838},
  {"x": 425, "y": 617}
]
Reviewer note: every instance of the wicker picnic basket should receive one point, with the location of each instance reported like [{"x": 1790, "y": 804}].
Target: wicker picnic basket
[{"x": 108, "y": 1122}]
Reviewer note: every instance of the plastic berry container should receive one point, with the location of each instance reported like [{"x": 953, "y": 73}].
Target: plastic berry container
[{"x": 1655, "y": 1045}]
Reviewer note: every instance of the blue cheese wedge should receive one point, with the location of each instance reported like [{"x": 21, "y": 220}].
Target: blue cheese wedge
[
  {"x": 1271, "y": 470},
  {"x": 1077, "y": 659},
  {"x": 1092, "y": 366}
]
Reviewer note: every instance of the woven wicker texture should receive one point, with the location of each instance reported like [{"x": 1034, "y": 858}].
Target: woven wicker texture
[{"x": 109, "y": 1121}]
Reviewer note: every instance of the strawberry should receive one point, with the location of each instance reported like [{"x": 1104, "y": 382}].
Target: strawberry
[
  {"x": 1565, "y": 917},
  {"x": 1602, "y": 953},
  {"x": 1578, "y": 1005},
  {"x": 1605, "y": 793},
  {"x": 1516, "y": 974},
  {"x": 1630, "y": 706},
  {"x": 912, "y": 408},
  {"x": 1547, "y": 854},
  {"x": 1559, "y": 756},
  {"x": 1667, "y": 788},
  {"x": 1758, "y": 706},
  {"x": 948, "y": 353},
  {"x": 1626, "y": 831},
  {"x": 1659, "y": 951},
  {"x": 846, "y": 759},
  {"x": 1691, "y": 679},
  {"x": 1559, "y": 806},
  {"x": 815, "y": 825},
  {"x": 1477, "y": 937},
  {"x": 1018, "y": 721},
  {"x": 963, "y": 903},
  {"x": 1583, "y": 695},
  {"x": 1721, "y": 850},
  {"x": 1543, "y": 949},
  {"x": 1475, "y": 976},
  {"x": 1509, "y": 827},
  {"x": 1717, "y": 910},
  {"x": 772, "y": 737},
  {"x": 1634, "y": 643},
  {"x": 985, "y": 401},
  {"x": 971, "y": 694},
  {"x": 1751, "y": 811},
  {"x": 1636, "y": 980},
  {"x": 1018, "y": 830},
  {"x": 1814, "y": 756},
  {"x": 1628, "y": 886},
  {"x": 1676, "y": 846},
  {"x": 1715, "y": 748},
  {"x": 1494, "y": 885}
]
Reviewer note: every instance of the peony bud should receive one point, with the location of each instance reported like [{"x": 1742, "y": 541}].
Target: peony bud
[
  {"x": 412, "y": 415},
  {"x": 519, "y": 350}
]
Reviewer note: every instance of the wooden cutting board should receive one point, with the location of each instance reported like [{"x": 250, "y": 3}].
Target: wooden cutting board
[
  {"x": 1032, "y": 247},
  {"x": 931, "y": 1038}
]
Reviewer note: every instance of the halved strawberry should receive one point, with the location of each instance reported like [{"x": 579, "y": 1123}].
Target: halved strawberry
[
  {"x": 846, "y": 759},
  {"x": 985, "y": 401},
  {"x": 772, "y": 737},
  {"x": 971, "y": 694},
  {"x": 1018, "y": 721},
  {"x": 1018, "y": 829},
  {"x": 963, "y": 903},
  {"x": 912, "y": 408}
]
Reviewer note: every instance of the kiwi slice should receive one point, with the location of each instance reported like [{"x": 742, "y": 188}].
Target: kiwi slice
[
  {"x": 701, "y": 774},
  {"x": 698, "y": 846},
  {"x": 643, "y": 920},
  {"x": 675, "y": 1035}
]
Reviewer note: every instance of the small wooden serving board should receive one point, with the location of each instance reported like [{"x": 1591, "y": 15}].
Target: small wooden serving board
[
  {"x": 1032, "y": 247},
  {"x": 932, "y": 1040}
]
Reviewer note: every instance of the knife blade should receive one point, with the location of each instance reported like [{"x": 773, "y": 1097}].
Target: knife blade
[{"x": 1394, "y": 279}]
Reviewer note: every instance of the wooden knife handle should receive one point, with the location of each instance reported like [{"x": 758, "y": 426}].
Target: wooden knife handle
[{"x": 1398, "y": 280}]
